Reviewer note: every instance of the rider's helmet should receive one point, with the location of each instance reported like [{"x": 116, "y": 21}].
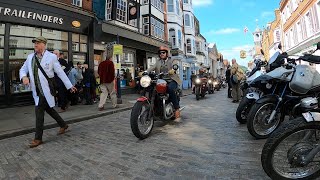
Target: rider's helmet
[{"x": 163, "y": 48}]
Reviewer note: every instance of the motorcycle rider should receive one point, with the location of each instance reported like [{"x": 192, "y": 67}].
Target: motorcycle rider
[{"x": 165, "y": 65}]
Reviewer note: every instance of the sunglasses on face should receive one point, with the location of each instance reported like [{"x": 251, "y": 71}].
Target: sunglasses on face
[{"x": 162, "y": 52}]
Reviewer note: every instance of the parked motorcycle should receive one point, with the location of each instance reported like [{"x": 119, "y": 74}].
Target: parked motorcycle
[
  {"x": 154, "y": 105},
  {"x": 256, "y": 86},
  {"x": 292, "y": 151},
  {"x": 201, "y": 87},
  {"x": 269, "y": 111}
]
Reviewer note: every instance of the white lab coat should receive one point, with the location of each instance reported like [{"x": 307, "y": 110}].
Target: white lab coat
[{"x": 50, "y": 65}]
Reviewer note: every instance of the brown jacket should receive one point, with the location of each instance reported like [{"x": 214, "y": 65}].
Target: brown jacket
[
  {"x": 169, "y": 64},
  {"x": 236, "y": 70}
]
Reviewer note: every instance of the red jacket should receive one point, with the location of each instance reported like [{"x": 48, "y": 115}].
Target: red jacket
[{"x": 106, "y": 72}]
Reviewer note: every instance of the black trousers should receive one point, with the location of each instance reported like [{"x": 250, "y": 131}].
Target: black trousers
[
  {"x": 40, "y": 109},
  {"x": 229, "y": 89},
  {"x": 62, "y": 97}
]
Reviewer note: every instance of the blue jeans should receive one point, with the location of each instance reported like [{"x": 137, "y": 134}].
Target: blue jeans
[{"x": 172, "y": 86}]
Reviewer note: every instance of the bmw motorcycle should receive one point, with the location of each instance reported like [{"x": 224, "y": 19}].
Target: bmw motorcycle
[
  {"x": 154, "y": 105},
  {"x": 297, "y": 83}
]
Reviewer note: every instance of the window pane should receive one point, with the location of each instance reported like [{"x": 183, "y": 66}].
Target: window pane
[
  {"x": 75, "y": 46},
  {"x": 25, "y": 31},
  {"x": 75, "y": 37},
  {"x": 79, "y": 58},
  {"x": 1, "y": 41},
  {"x": 1, "y": 73},
  {"x": 83, "y": 39},
  {"x": 17, "y": 58},
  {"x": 59, "y": 45},
  {"x": 2, "y": 28},
  {"x": 21, "y": 42},
  {"x": 53, "y": 34},
  {"x": 83, "y": 47}
]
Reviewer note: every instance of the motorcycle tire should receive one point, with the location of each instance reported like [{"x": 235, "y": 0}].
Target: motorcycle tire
[
  {"x": 283, "y": 132},
  {"x": 198, "y": 93},
  {"x": 244, "y": 105},
  {"x": 251, "y": 119},
  {"x": 134, "y": 120}
]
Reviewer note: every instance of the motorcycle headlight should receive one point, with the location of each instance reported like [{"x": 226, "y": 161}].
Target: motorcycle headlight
[
  {"x": 145, "y": 81},
  {"x": 198, "y": 81},
  {"x": 210, "y": 81},
  {"x": 215, "y": 83}
]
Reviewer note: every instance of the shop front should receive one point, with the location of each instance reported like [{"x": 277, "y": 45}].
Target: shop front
[
  {"x": 20, "y": 22},
  {"x": 139, "y": 51}
]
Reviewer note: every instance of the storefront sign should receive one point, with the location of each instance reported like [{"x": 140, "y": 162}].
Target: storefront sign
[
  {"x": 118, "y": 65},
  {"x": 185, "y": 64},
  {"x": 4, "y": 11},
  {"x": 117, "y": 49},
  {"x": 76, "y": 24},
  {"x": 243, "y": 54}
]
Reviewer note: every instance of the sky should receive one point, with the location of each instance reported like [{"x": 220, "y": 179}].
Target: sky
[{"x": 223, "y": 22}]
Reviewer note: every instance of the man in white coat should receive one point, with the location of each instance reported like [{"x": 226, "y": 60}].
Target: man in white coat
[{"x": 43, "y": 98}]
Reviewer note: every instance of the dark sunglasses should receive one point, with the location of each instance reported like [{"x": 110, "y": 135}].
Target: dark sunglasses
[{"x": 162, "y": 52}]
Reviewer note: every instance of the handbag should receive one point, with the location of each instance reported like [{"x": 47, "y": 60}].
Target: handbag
[
  {"x": 51, "y": 81},
  {"x": 234, "y": 79}
]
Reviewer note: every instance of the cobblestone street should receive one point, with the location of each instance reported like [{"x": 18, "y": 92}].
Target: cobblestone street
[{"x": 207, "y": 143}]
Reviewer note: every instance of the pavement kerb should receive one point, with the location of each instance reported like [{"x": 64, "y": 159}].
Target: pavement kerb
[{"x": 68, "y": 121}]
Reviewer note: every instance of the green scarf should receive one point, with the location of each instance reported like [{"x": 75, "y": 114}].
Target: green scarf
[{"x": 36, "y": 76}]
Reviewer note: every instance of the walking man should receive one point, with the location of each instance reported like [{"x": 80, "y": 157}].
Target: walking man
[
  {"x": 228, "y": 75},
  {"x": 236, "y": 77},
  {"x": 106, "y": 73},
  {"x": 41, "y": 67}
]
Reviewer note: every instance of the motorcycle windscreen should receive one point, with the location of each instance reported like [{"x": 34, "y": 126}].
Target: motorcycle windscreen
[
  {"x": 254, "y": 76},
  {"x": 274, "y": 57}
]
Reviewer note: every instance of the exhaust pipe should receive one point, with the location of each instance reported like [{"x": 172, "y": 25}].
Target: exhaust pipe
[{"x": 182, "y": 108}]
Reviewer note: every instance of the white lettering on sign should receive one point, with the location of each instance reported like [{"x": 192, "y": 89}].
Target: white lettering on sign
[{"x": 30, "y": 15}]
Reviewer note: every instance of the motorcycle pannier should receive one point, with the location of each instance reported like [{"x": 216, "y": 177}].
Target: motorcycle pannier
[{"x": 304, "y": 79}]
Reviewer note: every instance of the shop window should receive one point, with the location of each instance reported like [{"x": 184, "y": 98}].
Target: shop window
[
  {"x": 122, "y": 10},
  {"x": 75, "y": 46},
  {"x": 54, "y": 34},
  {"x": 24, "y": 31},
  {"x": 2, "y": 28},
  {"x": 50, "y": 46},
  {"x": 83, "y": 47},
  {"x": 75, "y": 37},
  {"x": 83, "y": 39}
]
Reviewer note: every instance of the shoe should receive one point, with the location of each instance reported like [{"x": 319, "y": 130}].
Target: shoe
[
  {"x": 234, "y": 101},
  {"x": 177, "y": 114},
  {"x": 63, "y": 130},
  {"x": 115, "y": 105},
  {"x": 101, "y": 108},
  {"x": 34, "y": 143}
]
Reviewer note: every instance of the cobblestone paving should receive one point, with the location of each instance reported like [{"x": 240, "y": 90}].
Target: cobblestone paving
[{"x": 207, "y": 143}]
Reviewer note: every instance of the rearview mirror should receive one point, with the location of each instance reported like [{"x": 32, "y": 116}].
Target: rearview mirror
[{"x": 175, "y": 67}]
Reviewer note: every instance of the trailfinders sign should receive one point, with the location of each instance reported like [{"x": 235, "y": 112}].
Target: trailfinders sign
[{"x": 4, "y": 11}]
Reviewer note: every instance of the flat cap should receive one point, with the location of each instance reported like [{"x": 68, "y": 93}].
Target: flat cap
[{"x": 40, "y": 39}]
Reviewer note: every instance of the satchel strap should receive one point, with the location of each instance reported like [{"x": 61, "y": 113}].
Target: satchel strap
[{"x": 40, "y": 67}]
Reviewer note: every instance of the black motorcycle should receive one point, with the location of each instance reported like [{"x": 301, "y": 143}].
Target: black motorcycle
[{"x": 201, "y": 86}]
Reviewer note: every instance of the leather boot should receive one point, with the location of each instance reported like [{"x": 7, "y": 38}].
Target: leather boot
[
  {"x": 63, "y": 130},
  {"x": 35, "y": 143}
]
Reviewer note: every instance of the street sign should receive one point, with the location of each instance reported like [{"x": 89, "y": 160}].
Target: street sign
[
  {"x": 243, "y": 54},
  {"x": 117, "y": 49}
]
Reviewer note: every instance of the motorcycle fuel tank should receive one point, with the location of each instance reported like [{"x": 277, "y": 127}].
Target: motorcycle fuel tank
[{"x": 304, "y": 79}]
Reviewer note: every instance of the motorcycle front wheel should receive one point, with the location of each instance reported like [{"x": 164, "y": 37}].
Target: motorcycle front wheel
[
  {"x": 243, "y": 110},
  {"x": 287, "y": 146},
  {"x": 197, "y": 93},
  {"x": 141, "y": 126},
  {"x": 257, "y": 120}
]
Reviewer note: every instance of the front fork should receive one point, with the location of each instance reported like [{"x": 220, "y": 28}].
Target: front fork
[
  {"x": 153, "y": 96},
  {"x": 274, "y": 112}
]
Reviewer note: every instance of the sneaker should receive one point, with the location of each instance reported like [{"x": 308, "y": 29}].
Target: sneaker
[{"x": 101, "y": 108}]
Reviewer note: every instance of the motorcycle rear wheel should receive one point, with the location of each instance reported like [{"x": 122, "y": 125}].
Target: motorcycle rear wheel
[
  {"x": 289, "y": 132},
  {"x": 140, "y": 125},
  {"x": 243, "y": 110}
]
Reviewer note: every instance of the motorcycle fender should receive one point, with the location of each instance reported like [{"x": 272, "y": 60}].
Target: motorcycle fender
[
  {"x": 311, "y": 116},
  {"x": 253, "y": 95},
  {"x": 142, "y": 99},
  {"x": 267, "y": 98}
]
